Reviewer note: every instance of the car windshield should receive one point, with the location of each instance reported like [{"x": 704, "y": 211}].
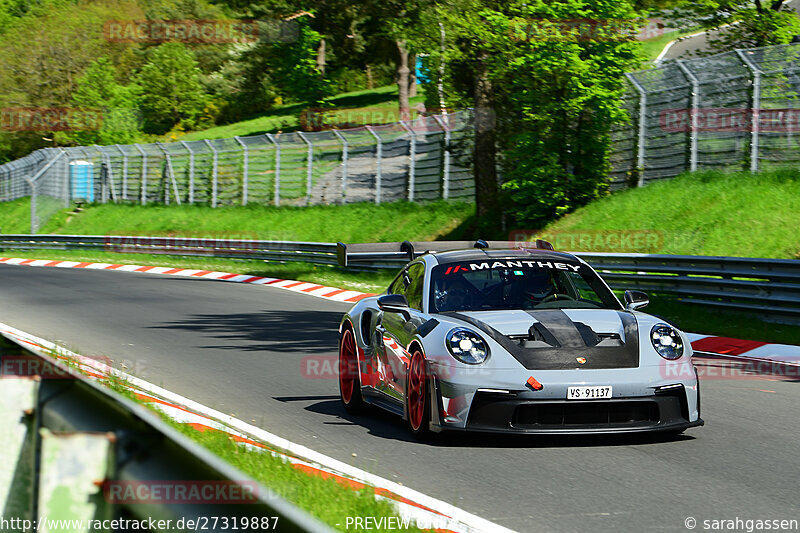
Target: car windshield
[{"x": 513, "y": 284}]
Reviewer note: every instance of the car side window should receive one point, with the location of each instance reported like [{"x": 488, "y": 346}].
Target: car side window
[
  {"x": 397, "y": 286},
  {"x": 414, "y": 281}
]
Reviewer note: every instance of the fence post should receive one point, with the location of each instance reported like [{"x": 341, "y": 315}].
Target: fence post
[
  {"x": 6, "y": 184},
  {"x": 246, "y": 164},
  {"x": 191, "y": 171},
  {"x": 309, "y": 165},
  {"x": 32, "y": 184},
  {"x": 695, "y": 108},
  {"x": 344, "y": 163},
  {"x": 378, "y": 169},
  {"x": 171, "y": 173},
  {"x": 144, "y": 174},
  {"x": 109, "y": 177},
  {"x": 104, "y": 174},
  {"x": 412, "y": 158},
  {"x": 755, "y": 121},
  {"x": 446, "y": 155},
  {"x": 124, "y": 171},
  {"x": 213, "y": 174},
  {"x": 640, "y": 148},
  {"x": 274, "y": 141}
]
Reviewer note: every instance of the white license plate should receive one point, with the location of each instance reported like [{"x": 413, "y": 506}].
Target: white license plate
[{"x": 589, "y": 393}]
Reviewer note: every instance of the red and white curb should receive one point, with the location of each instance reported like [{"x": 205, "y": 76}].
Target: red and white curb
[
  {"x": 745, "y": 349},
  {"x": 312, "y": 289},
  {"x": 427, "y": 512}
]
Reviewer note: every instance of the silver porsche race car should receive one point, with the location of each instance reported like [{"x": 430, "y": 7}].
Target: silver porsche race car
[{"x": 525, "y": 340}]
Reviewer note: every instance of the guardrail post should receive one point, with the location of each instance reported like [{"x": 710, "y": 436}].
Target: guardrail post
[
  {"x": 245, "y": 164},
  {"x": 309, "y": 165},
  {"x": 344, "y": 163},
  {"x": 640, "y": 145},
  {"x": 755, "y": 124},
  {"x": 378, "y": 158},
  {"x": 72, "y": 493},
  {"x": 274, "y": 141},
  {"x": 446, "y": 155},
  {"x": 695, "y": 109},
  {"x": 144, "y": 174},
  {"x": 412, "y": 158},
  {"x": 214, "y": 170},
  {"x": 18, "y": 420},
  {"x": 191, "y": 171}
]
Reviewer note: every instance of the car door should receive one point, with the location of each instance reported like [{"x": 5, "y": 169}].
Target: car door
[{"x": 397, "y": 330}]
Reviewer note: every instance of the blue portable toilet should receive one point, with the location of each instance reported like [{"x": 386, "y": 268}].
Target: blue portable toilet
[
  {"x": 81, "y": 179},
  {"x": 421, "y": 71}
]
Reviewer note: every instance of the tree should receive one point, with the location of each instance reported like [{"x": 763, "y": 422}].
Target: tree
[
  {"x": 544, "y": 100},
  {"x": 172, "y": 94},
  {"x": 117, "y": 105},
  {"x": 741, "y": 24}
]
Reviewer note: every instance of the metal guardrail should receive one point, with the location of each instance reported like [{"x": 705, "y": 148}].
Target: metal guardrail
[
  {"x": 768, "y": 287},
  {"x": 66, "y": 438}
]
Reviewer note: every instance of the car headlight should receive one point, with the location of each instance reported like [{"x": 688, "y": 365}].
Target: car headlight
[
  {"x": 466, "y": 346},
  {"x": 667, "y": 341}
]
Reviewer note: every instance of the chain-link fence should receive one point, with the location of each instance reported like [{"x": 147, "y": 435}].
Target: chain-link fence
[
  {"x": 737, "y": 110},
  {"x": 416, "y": 160}
]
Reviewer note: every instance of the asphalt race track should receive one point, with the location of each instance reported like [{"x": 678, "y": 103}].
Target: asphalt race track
[{"x": 239, "y": 348}]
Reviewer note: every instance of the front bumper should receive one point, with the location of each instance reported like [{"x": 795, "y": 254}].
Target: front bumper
[
  {"x": 660, "y": 412},
  {"x": 643, "y": 402}
]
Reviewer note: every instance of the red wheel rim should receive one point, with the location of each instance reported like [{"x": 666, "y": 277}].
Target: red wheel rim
[
  {"x": 416, "y": 391},
  {"x": 348, "y": 366}
]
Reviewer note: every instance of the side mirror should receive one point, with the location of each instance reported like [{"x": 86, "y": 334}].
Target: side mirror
[
  {"x": 394, "y": 303},
  {"x": 635, "y": 300}
]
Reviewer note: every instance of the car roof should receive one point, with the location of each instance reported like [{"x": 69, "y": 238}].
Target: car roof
[{"x": 475, "y": 254}]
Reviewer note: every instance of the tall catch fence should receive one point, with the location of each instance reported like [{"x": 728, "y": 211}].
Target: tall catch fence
[
  {"x": 417, "y": 160},
  {"x": 737, "y": 110}
]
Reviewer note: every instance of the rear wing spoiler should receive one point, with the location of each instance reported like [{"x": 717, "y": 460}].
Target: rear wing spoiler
[{"x": 382, "y": 252}]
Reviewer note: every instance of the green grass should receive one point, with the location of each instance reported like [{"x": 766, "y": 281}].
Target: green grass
[
  {"x": 361, "y": 222},
  {"x": 706, "y": 213},
  {"x": 376, "y": 105},
  {"x": 15, "y": 216}
]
